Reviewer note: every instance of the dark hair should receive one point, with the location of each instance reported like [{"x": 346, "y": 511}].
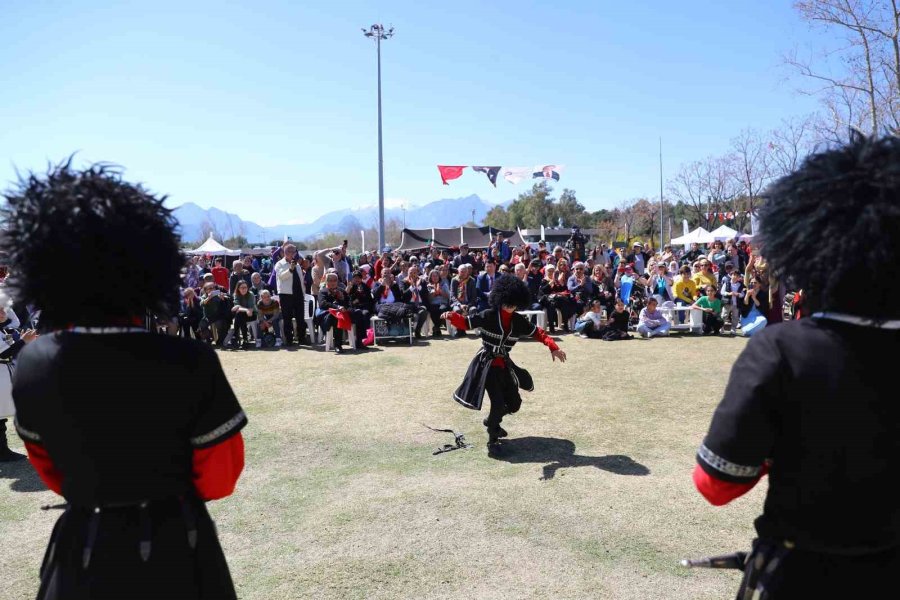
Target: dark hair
[
  {"x": 94, "y": 218},
  {"x": 509, "y": 290},
  {"x": 850, "y": 193},
  {"x": 356, "y": 273}
]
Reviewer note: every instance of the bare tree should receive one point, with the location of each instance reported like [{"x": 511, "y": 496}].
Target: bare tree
[
  {"x": 751, "y": 168},
  {"x": 858, "y": 78},
  {"x": 789, "y": 144},
  {"x": 631, "y": 218},
  {"x": 688, "y": 186}
]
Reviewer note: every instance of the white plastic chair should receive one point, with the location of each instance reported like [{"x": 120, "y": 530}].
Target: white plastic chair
[{"x": 309, "y": 311}]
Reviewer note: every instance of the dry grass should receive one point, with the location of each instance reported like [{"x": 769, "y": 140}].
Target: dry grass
[{"x": 341, "y": 498}]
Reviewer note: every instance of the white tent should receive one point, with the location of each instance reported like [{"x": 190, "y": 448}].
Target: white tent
[
  {"x": 697, "y": 236},
  {"x": 724, "y": 232},
  {"x": 213, "y": 248}
]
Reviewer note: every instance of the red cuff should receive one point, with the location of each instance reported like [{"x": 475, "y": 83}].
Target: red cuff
[
  {"x": 217, "y": 468},
  {"x": 459, "y": 321},
  {"x": 719, "y": 492},
  {"x": 48, "y": 473},
  {"x": 541, "y": 336}
]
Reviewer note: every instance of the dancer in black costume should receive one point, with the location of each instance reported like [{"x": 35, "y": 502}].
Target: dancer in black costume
[
  {"x": 492, "y": 370},
  {"x": 135, "y": 430}
]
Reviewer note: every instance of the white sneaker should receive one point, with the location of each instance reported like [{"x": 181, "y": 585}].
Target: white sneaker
[
  {"x": 259, "y": 343},
  {"x": 645, "y": 334},
  {"x": 278, "y": 342}
]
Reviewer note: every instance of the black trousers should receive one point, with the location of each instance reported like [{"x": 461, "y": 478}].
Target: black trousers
[
  {"x": 436, "y": 310},
  {"x": 188, "y": 325},
  {"x": 421, "y": 315},
  {"x": 329, "y": 321},
  {"x": 503, "y": 393},
  {"x": 363, "y": 321},
  {"x": 292, "y": 308},
  {"x": 804, "y": 574},
  {"x": 240, "y": 325},
  {"x": 712, "y": 323}
]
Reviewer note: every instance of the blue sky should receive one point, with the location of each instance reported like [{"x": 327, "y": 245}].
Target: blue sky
[{"x": 267, "y": 109}]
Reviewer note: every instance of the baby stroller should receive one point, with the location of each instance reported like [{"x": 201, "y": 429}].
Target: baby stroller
[{"x": 636, "y": 300}]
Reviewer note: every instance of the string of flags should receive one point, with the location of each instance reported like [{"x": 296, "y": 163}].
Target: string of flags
[
  {"x": 724, "y": 216},
  {"x": 513, "y": 175}
]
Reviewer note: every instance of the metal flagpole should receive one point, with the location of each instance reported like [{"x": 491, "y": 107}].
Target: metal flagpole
[
  {"x": 661, "y": 205},
  {"x": 378, "y": 32}
]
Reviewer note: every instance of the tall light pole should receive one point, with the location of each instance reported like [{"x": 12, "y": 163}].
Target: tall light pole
[
  {"x": 661, "y": 204},
  {"x": 378, "y": 32}
]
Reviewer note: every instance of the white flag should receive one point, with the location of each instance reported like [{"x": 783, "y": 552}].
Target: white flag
[
  {"x": 547, "y": 172},
  {"x": 516, "y": 175}
]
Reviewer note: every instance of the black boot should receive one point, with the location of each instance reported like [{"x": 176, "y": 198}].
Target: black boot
[
  {"x": 7, "y": 455},
  {"x": 501, "y": 433}
]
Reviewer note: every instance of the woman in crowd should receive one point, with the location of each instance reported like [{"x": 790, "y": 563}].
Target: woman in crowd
[
  {"x": 438, "y": 301},
  {"x": 244, "y": 311},
  {"x": 492, "y": 370},
  {"x": 704, "y": 277},
  {"x": 554, "y": 295},
  {"x": 362, "y": 306},
  {"x": 318, "y": 273},
  {"x": 213, "y": 304},
  {"x": 190, "y": 313},
  {"x": 415, "y": 294},
  {"x": 604, "y": 288},
  {"x": 756, "y": 306},
  {"x": 660, "y": 283},
  {"x": 580, "y": 288},
  {"x": 717, "y": 255},
  {"x": 136, "y": 431}
]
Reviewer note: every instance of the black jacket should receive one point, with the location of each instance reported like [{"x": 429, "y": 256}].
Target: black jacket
[
  {"x": 336, "y": 298},
  {"x": 378, "y": 291},
  {"x": 361, "y": 297}
]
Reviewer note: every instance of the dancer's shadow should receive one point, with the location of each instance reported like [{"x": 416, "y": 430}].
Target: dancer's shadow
[
  {"x": 25, "y": 478},
  {"x": 561, "y": 454}
]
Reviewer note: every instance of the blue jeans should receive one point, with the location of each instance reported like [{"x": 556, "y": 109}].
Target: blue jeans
[{"x": 661, "y": 330}]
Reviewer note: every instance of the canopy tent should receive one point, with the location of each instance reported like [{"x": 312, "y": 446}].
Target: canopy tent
[
  {"x": 258, "y": 251},
  {"x": 213, "y": 248},
  {"x": 475, "y": 237},
  {"x": 697, "y": 236},
  {"x": 724, "y": 232}
]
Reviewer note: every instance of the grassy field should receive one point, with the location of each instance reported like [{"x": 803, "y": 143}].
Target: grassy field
[{"x": 591, "y": 497}]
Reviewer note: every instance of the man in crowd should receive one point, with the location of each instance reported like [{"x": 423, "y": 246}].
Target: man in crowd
[
  {"x": 291, "y": 294},
  {"x": 462, "y": 291},
  {"x": 485, "y": 283},
  {"x": 691, "y": 255},
  {"x": 576, "y": 245},
  {"x": 464, "y": 258},
  {"x": 638, "y": 258},
  {"x": 257, "y": 285},
  {"x": 220, "y": 274}
]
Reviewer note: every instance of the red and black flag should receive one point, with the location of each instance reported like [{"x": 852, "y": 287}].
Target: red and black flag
[{"x": 491, "y": 173}]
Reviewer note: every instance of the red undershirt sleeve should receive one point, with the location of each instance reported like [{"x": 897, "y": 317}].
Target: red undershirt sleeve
[
  {"x": 541, "y": 336},
  {"x": 719, "y": 492},
  {"x": 459, "y": 321},
  {"x": 45, "y": 468},
  {"x": 216, "y": 469}
]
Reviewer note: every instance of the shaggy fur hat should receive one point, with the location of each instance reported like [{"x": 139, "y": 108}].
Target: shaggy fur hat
[
  {"x": 67, "y": 220},
  {"x": 509, "y": 290},
  {"x": 832, "y": 226}
]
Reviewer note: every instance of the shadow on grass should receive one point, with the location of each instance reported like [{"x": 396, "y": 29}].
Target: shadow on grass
[
  {"x": 560, "y": 454},
  {"x": 25, "y": 478}
]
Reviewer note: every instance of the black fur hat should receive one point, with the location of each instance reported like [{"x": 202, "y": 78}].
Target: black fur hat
[
  {"x": 509, "y": 290},
  {"x": 832, "y": 228},
  {"x": 61, "y": 223}
]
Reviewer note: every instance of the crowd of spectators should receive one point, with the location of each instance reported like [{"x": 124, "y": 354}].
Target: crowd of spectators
[{"x": 594, "y": 292}]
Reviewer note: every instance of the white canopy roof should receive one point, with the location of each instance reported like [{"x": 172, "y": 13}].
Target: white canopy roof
[
  {"x": 214, "y": 248},
  {"x": 697, "y": 236},
  {"x": 724, "y": 232}
]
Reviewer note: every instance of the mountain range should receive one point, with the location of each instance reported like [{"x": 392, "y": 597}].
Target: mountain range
[{"x": 195, "y": 222}]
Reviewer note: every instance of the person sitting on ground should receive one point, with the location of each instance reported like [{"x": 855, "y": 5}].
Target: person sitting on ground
[
  {"x": 591, "y": 321},
  {"x": 485, "y": 283},
  {"x": 362, "y": 306},
  {"x": 244, "y": 310},
  {"x": 190, "y": 314},
  {"x": 332, "y": 297},
  {"x": 733, "y": 293},
  {"x": 711, "y": 305},
  {"x": 438, "y": 301},
  {"x": 756, "y": 307},
  {"x": 269, "y": 315},
  {"x": 415, "y": 294},
  {"x": 651, "y": 322},
  {"x": 616, "y": 326}
]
